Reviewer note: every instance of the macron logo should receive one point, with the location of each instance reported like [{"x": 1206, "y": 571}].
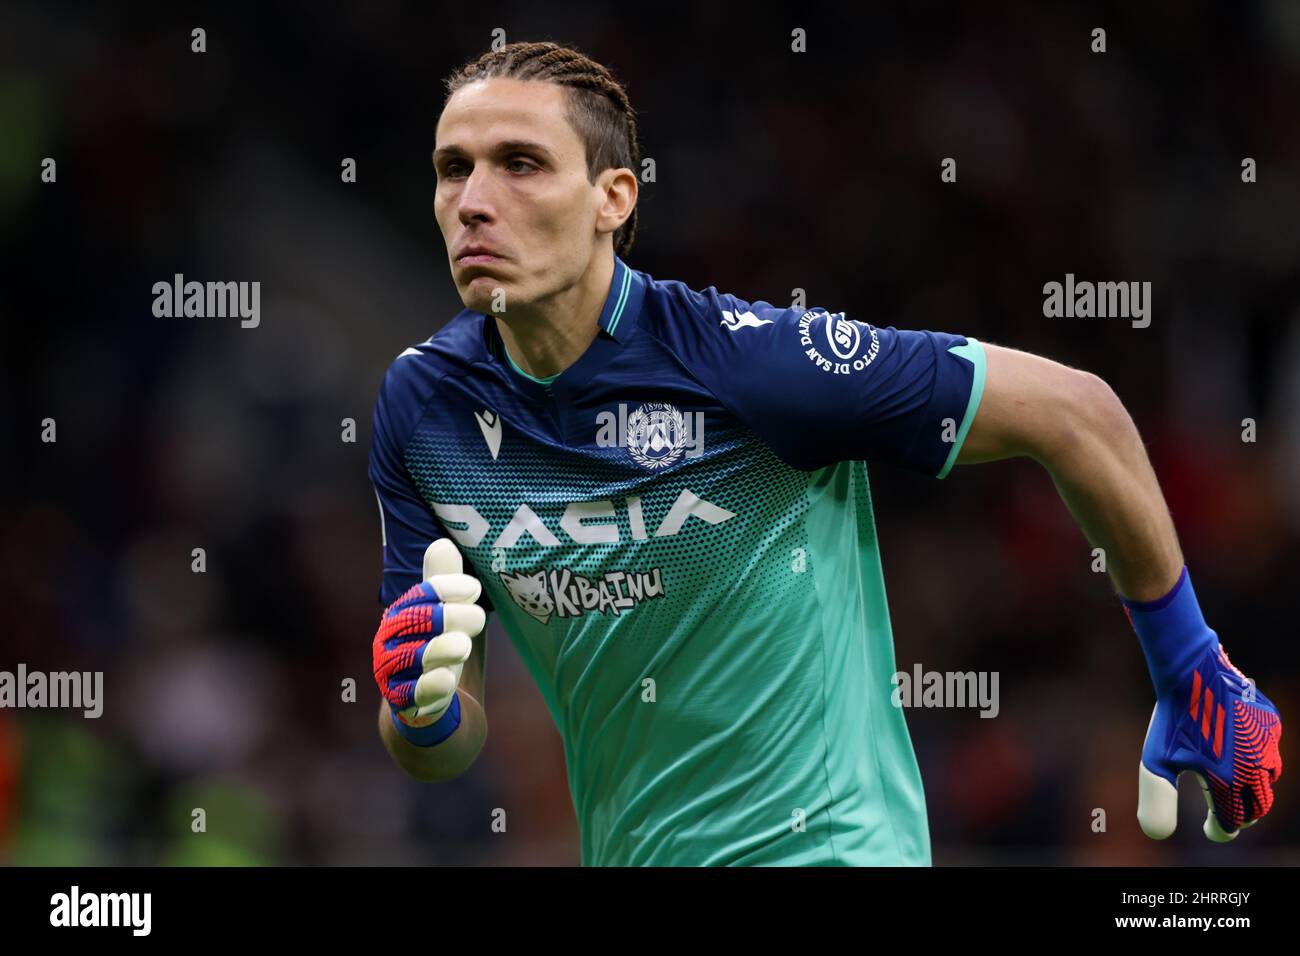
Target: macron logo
[
  {"x": 489, "y": 423},
  {"x": 742, "y": 320}
]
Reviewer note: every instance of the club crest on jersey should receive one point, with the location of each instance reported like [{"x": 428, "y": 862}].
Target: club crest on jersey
[
  {"x": 559, "y": 592},
  {"x": 656, "y": 435},
  {"x": 843, "y": 342}
]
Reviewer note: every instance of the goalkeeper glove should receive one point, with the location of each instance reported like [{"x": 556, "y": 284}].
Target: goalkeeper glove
[
  {"x": 1209, "y": 719},
  {"x": 423, "y": 641}
]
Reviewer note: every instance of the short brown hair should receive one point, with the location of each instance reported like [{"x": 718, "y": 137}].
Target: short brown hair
[{"x": 597, "y": 105}]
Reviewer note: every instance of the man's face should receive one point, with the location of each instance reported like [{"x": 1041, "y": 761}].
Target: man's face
[{"x": 512, "y": 177}]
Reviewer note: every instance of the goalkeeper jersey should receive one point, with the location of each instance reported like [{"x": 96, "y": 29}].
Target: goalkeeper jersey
[{"x": 676, "y": 532}]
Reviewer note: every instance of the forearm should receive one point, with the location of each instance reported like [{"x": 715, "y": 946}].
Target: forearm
[
  {"x": 1105, "y": 478},
  {"x": 442, "y": 761}
]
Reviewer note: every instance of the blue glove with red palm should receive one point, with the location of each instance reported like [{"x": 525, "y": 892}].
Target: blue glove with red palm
[
  {"x": 423, "y": 641},
  {"x": 1209, "y": 719}
]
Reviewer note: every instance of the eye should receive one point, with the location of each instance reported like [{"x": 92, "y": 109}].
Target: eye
[
  {"x": 517, "y": 161},
  {"x": 452, "y": 168}
]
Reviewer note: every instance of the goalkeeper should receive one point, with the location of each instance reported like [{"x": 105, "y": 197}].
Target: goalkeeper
[{"x": 663, "y": 494}]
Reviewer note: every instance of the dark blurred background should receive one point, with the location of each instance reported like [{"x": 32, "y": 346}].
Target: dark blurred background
[{"x": 775, "y": 170}]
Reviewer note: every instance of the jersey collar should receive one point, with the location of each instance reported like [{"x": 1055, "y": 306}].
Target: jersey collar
[{"x": 623, "y": 303}]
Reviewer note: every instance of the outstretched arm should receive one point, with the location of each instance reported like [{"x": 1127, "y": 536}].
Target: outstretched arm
[{"x": 1209, "y": 718}]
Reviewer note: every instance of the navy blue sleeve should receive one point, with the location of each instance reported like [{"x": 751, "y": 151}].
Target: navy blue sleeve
[
  {"x": 820, "y": 387},
  {"x": 407, "y": 525}
]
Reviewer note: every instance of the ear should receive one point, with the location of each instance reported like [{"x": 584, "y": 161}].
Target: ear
[{"x": 619, "y": 189}]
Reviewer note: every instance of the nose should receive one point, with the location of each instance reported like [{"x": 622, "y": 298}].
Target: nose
[{"x": 475, "y": 199}]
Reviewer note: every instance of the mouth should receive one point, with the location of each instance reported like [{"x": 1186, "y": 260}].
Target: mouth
[{"x": 476, "y": 255}]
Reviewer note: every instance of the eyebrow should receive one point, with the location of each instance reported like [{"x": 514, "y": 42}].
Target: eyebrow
[{"x": 506, "y": 146}]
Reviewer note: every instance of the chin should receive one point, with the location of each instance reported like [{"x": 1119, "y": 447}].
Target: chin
[{"x": 477, "y": 292}]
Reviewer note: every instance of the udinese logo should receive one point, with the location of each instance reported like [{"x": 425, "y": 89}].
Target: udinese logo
[{"x": 656, "y": 435}]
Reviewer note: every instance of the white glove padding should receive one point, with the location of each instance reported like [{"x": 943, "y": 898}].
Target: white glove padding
[{"x": 445, "y": 655}]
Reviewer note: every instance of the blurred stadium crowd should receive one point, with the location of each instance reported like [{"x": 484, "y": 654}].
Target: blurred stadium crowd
[{"x": 775, "y": 170}]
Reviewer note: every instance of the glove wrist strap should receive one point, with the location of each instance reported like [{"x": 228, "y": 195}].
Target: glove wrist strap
[
  {"x": 1172, "y": 632},
  {"x": 436, "y": 732}
]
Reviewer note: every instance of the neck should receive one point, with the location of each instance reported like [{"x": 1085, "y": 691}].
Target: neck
[{"x": 548, "y": 335}]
